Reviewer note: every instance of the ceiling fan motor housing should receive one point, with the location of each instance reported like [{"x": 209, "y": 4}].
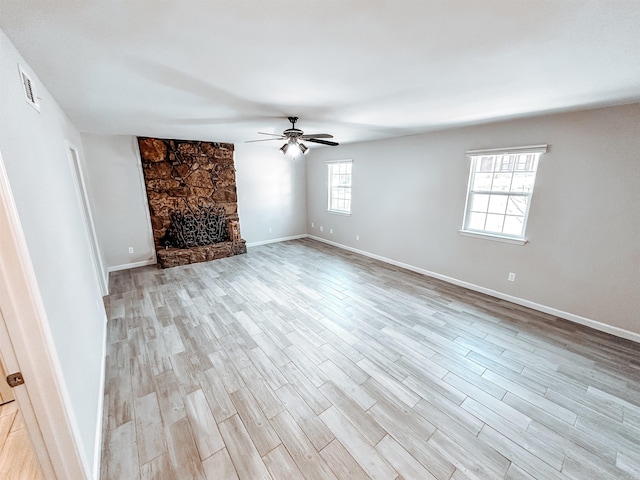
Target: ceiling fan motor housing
[{"x": 293, "y": 132}]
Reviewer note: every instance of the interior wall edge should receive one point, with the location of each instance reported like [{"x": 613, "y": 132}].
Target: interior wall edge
[{"x": 603, "y": 327}]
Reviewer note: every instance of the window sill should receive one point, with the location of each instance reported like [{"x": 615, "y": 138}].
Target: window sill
[
  {"x": 344, "y": 214},
  {"x": 497, "y": 238}
]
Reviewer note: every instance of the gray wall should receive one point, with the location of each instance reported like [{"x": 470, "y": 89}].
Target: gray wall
[
  {"x": 119, "y": 196},
  {"x": 583, "y": 255},
  {"x": 271, "y": 195},
  {"x": 35, "y": 147}
]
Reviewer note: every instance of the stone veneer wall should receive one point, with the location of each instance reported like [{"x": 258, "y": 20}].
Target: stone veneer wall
[{"x": 182, "y": 175}]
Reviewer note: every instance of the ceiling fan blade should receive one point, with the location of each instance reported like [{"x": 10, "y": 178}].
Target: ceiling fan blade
[
  {"x": 323, "y": 142},
  {"x": 272, "y": 134},
  {"x": 264, "y": 140},
  {"x": 316, "y": 135}
]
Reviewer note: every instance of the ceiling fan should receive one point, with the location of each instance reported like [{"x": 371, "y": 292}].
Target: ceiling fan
[{"x": 293, "y": 137}]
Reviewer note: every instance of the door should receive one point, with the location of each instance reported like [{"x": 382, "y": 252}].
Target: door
[{"x": 18, "y": 457}]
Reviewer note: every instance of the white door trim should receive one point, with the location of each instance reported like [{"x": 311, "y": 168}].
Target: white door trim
[
  {"x": 78, "y": 173},
  {"x": 27, "y": 345}
]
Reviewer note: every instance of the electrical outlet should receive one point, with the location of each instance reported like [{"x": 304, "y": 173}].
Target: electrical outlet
[
  {"x": 331, "y": 231},
  {"x": 130, "y": 249},
  {"x": 512, "y": 277},
  {"x": 357, "y": 237},
  {"x": 270, "y": 230},
  {"x": 313, "y": 225},
  {"x": 321, "y": 228}
]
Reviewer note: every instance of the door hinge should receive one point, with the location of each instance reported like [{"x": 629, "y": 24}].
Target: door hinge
[{"x": 15, "y": 379}]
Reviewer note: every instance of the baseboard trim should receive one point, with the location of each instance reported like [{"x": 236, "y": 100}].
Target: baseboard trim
[
  {"x": 97, "y": 451},
  {"x": 127, "y": 266},
  {"x": 276, "y": 240},
  {"x": 603, "y": 327}
]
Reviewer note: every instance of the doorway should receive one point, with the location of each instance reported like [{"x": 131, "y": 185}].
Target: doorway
[
  {"x": 18, "y": 457},
  {"x": 25, "y": 346}
]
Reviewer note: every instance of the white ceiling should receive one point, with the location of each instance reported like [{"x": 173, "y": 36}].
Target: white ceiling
[{"x": 358, "y": 69}]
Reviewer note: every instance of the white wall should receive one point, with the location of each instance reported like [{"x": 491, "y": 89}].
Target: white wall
[
  {"x": 121, "y": 209},
  {"x": 271, "y": 193},
  {"x": 35, "y": 149},
  {"x": 583, "y": 255}
]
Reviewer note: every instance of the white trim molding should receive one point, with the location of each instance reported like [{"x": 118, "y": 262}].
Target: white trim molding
[
  {"x": 276, "y": 240},
  {"x": 128, "y": 266},
  {"x": 542, "y": 148},
  {"x": 603, "y": 327},
  {"x": 97, "y": 452},
  {"x": 495, "y": 238}
]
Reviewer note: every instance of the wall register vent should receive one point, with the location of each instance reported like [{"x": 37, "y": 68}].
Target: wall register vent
[{"x": 29, "y": 89}]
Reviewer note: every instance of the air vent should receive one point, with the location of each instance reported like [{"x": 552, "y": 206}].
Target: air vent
[{"x": 29, "y": 89}]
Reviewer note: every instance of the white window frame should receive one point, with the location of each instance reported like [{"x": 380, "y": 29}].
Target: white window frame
[
  {"x": 476, "y": 156},
  {"x": 330, "y": 186}
]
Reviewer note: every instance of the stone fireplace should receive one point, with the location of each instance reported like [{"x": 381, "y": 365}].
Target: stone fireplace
[{"x": 191, "y": 188}]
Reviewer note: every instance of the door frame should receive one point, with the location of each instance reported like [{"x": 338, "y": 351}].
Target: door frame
[
  {"x": 78, "y": 173},
  {"x": 26, "y": 345}
]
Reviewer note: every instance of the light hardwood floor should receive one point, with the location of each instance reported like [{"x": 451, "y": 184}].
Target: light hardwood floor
[
  {"x": 18, "y": 459},
  {"x": 303, "y": 361}
]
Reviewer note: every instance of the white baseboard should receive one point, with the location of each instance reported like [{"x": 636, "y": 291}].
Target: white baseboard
[
  {"x": 276, "y": 240},
  {"x": 97, "y": 451},
  {"x": 127, "y": 266},
  {"x": 603, "y": 327}
]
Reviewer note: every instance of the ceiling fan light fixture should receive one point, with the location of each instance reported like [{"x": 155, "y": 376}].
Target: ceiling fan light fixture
[{"x": 293, "y": 136}]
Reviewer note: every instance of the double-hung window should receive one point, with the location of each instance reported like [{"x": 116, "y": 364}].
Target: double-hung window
[
  {"x": 339, "y": 184},
  {"x": 499, "y": 195}
]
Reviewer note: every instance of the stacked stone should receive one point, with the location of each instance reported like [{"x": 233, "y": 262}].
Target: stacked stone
[{"x": 183, "y": 175}]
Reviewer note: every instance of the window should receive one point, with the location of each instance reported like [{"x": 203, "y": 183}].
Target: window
[
  {"x": 499, "y": 194},
  {"x": 339, "y": 186}
]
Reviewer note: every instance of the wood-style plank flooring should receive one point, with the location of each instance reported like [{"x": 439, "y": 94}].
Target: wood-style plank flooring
[
  {"x": 18, "y": 459},
  {"x": 303, "y": 361}
]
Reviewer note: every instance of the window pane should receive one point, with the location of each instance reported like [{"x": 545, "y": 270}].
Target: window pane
[
  {"x": 485, "y": 164},
  {"x": 513, "y": 225},
  {"x": 497, "y": 204},
  {"x": 482, "y": 182},
  {"x": 501, "y": 182},
  {"x": 479, "y": 202},
  {"x": 523, "y": 182},
  {"x": 517, "y": 205},
  {"x": 476, "y": 221},
  {"x": 494, "y": 223},
  {"x": 506, "y": 163}
]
